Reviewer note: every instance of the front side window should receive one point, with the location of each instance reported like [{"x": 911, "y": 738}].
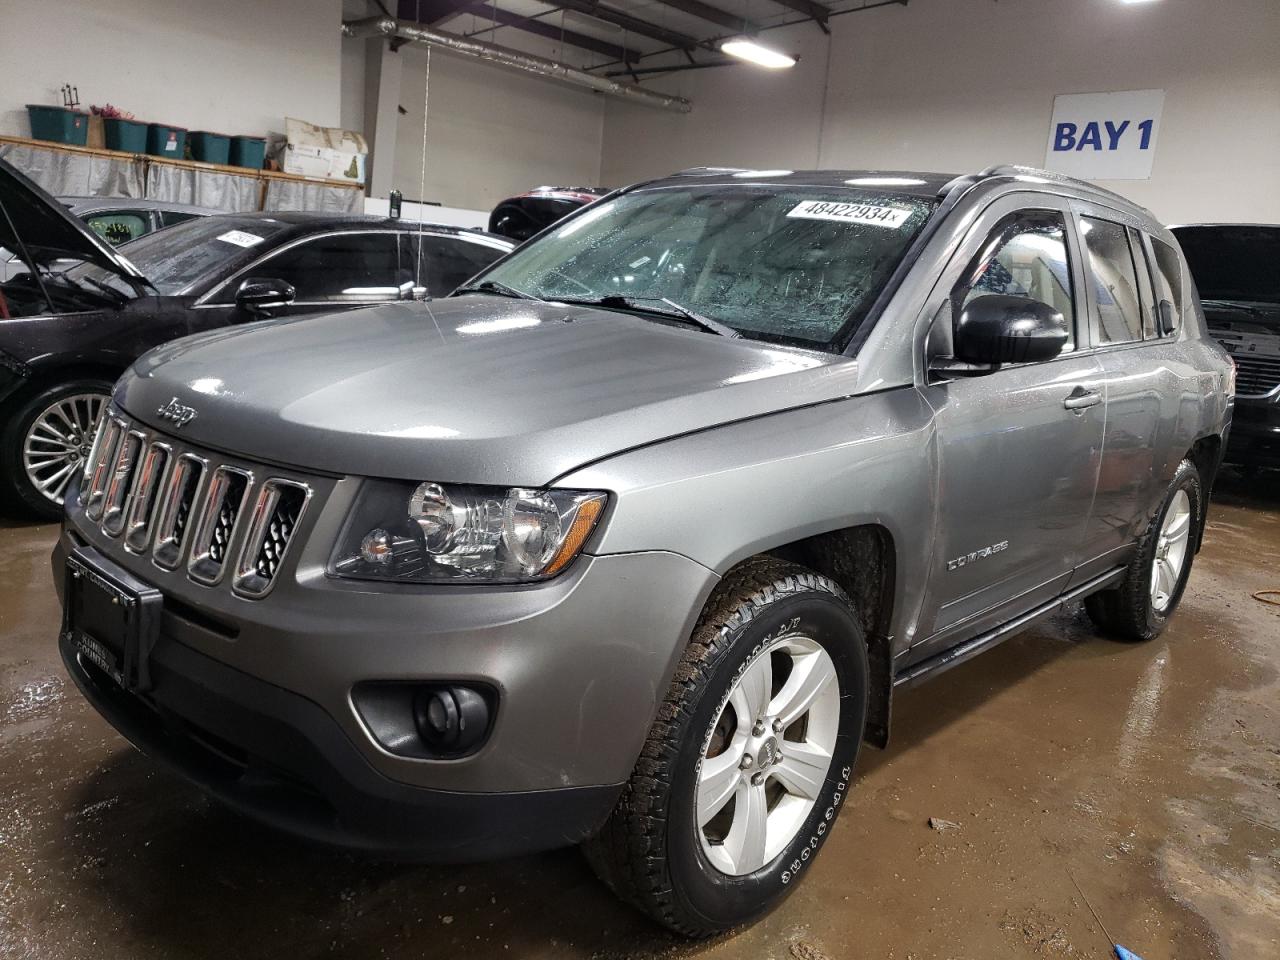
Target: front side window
[
  {"x": 1024, "y": 256},
  {"x": 801, "y": 265},
  {"x": 347, "y": 267},
  {"x": 1115, "y": 281}
]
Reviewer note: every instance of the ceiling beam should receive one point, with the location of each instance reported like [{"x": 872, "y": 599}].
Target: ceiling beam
[
  {"x": 542, "y": 28},
  {"x": 643, "y": 28},
  {"x": 721, "y": 18},
  {"x": 815, "y": 11},
  {"x": 437, "y": 11}
]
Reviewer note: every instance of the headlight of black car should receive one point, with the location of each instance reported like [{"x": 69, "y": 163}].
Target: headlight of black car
[{"x": 446, "y": 533}]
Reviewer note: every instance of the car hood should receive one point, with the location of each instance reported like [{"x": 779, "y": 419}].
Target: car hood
[
  {"x": 1234, "y": 264},
  {"x": 474, "y": 389},
  {"x": 34, "y": 220}
]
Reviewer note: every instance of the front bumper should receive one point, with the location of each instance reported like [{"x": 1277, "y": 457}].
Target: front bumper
[{"x": 252, "y": 698}]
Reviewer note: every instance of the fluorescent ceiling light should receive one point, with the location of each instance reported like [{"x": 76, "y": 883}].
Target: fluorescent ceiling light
[
  {"x": 885, "y": 182},
  {"x": 1135, "y": 1},
  {"x": 752, "y": 52}
]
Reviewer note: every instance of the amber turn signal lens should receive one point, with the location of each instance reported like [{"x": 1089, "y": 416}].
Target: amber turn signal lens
[{"x": 584, "y": 521}]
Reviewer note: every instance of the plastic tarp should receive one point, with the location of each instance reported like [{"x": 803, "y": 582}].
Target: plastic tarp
[
  {"x": 300, "y": 195},
  {"x": 204, "y": 188},
  {"x": 66, "y": 174}
]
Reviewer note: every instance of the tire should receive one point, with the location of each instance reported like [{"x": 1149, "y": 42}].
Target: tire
[
  {"x": 1138, "y": 609},
  {"x": 25, "y": 443},
  {"x": 652, "y": 852}
]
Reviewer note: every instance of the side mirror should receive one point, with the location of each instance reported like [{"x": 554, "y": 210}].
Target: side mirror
[
  {"x": 998, "y": 328},
  {"x": 258, "y": 295}
]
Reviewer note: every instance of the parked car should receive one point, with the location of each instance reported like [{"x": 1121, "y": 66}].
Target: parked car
[
  {"x": 116, "y": 220},
  {"x": 636, "y": 543},
  {"x": 522, "y": 216},
  {"x": 1237, "y": 269},
  {"x": 84, "y": 310}
]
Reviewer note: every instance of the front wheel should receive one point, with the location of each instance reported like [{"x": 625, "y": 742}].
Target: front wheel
[
  {"x": 749, "y": 762},
  {"x": 46, "y": 441},
  {"x": 1138, "y": 609}
]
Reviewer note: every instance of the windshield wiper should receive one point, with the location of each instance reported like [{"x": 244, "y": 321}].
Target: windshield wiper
[
  {"x": 675, "y": 311},
  {"x": 498, "y": 287}
]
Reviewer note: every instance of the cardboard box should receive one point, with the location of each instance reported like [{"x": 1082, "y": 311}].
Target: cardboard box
[
  {"x": 323, "y": 163},
  {"x": 325, "y": 152}
]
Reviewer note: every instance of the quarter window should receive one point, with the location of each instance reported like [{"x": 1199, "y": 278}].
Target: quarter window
[
  {"x": 1115, "y": 281},
  {"x": 1168, "y": 275},
  {"x": 1025, "y": 256},
  {"x": 119, "y": 226},
  {"x": 1149, "y": 328}
]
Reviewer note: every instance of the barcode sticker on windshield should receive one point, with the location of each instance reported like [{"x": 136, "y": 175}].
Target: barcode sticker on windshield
[
  {"x": 240, "y": 238},
  {"x": 891, "y": 217}
]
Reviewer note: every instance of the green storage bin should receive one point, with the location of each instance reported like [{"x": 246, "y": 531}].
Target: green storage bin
[
  {"x": 208, "y": 147},
  {"x": 58, "y": 124},
  {"x": 127, "y": 135},
  {"x": 166, "y": 140},
  {"x": 248, "y": 152}
]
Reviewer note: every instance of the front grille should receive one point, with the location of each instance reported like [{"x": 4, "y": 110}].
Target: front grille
[
  {"x": 1256, "y": 374},
  {"x": 181, "y": 507},
  {"x": 1257, "y": 356},
  {"x": 219, "y": 511},
  {"x": 275, "y": 519}
]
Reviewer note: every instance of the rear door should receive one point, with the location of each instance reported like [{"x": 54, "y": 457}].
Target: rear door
[
  {"x": 1018, "y": 449},
  {"x": 1140, "y": 367}
]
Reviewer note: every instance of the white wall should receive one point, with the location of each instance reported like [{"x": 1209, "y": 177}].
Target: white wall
[
  {"x": 235, "y": 66},
  {"x": 960, "y": 84},
  {"x": 493, "y": 132}
]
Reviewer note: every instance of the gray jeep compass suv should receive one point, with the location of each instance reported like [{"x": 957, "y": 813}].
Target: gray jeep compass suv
[{"x": 632, "y": 540}]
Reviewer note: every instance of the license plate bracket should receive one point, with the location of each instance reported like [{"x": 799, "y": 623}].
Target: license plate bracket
[{"x": 110, "y": 617}]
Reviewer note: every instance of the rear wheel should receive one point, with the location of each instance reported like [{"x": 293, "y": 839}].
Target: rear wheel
[
  {"x": 47, "y": 441},
  {"x": 1141, "y": 605},
  {"x": 749, "y": 762}
]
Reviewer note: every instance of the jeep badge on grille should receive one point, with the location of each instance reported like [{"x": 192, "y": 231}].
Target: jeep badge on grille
[{"x": 179, "y": 414}]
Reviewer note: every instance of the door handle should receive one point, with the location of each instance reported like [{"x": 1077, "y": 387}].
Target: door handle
[{"x": 1081, "y": 399}]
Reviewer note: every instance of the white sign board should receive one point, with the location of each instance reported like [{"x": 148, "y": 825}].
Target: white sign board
[{"x": 1105, "y": 136}]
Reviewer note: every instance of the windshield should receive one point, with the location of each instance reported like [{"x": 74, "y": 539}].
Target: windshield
[
  {"x": 176, "y": 257},
  {"x": 798, "y": 265},
  {"x": 1233, "y": 262}
]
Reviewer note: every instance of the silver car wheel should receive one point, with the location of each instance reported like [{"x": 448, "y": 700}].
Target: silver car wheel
[
  {"x": 768, "y": 755},
  {"x": 58, "y": 442},
  {"x": 1171, "y": 551}
]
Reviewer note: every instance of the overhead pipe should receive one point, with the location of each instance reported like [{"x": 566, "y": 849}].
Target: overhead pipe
[{"x": 416, "y": 33}]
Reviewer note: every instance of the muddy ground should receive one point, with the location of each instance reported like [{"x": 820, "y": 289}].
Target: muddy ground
[{"x": 1150, "y": 774}]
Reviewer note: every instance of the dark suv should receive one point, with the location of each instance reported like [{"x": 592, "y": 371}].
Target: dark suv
[{"x": 1237, "y": 270}]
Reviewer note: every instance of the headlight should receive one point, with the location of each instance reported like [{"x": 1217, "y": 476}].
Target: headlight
[{"x": 437, "y": 533}]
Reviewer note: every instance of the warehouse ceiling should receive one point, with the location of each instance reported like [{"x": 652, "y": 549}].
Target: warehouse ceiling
[{"x": 626, "y": 36}]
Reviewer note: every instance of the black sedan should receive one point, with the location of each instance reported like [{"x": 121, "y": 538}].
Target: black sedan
[{"x": 83, "y": 311}]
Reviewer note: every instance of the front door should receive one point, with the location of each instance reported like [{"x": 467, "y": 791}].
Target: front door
[{"x": 1018, "y": 448}]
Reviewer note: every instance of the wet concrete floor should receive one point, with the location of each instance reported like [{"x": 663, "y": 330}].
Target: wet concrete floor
[{"x": 1150, "y": 774}]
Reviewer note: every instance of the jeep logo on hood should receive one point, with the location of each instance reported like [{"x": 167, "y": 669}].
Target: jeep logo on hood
[{"x": 179, "y": 414}]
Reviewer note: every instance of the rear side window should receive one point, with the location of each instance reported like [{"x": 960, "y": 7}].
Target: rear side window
[
  {"x": 1115, "y": 281},
  {"x": 1149, "y": 329},
  {"x": 1025, "y": 256},
  {"x": 448, "y": 262},
  {"x": 119, "y": 226},
  {"x": 1168, "y": 275},
  {"x": 170, "y": 217}
]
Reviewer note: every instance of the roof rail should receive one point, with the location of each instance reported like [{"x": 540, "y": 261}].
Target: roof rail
[
  {"x": 699, "y": 171},
  {"x": 1015, "y": 171}
]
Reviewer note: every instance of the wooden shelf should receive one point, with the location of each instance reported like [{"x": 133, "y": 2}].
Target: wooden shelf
[{"x": 146, "y": 158}]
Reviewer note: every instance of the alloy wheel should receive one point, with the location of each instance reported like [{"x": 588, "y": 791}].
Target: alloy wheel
[
  {"x": 1171, "y": 551},
  {"x": 768, "y": 756},
  {"x": 58, "y": 442}
]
